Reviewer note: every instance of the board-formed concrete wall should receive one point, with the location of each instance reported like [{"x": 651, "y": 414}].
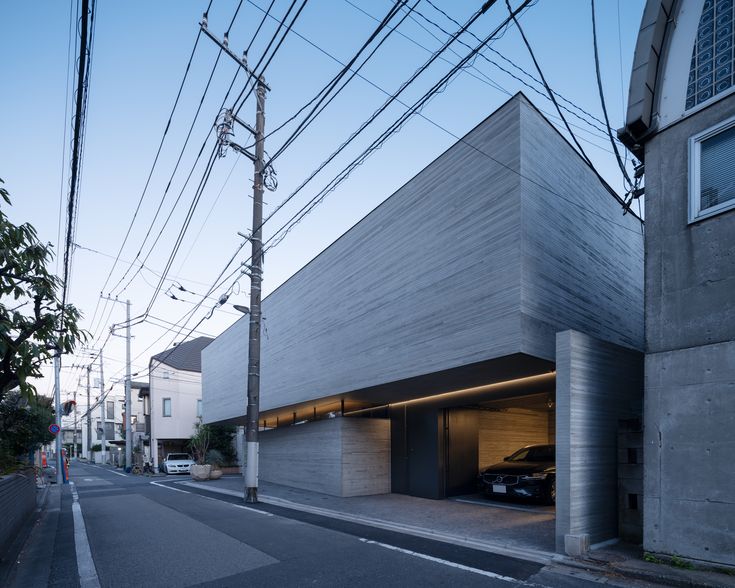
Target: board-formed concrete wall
[
  {"x": 340, "y": 456},
  {"x": 689, "y": 442},
  {"x": 597, "y": 384},
  {"x": 469, "y": 261}
]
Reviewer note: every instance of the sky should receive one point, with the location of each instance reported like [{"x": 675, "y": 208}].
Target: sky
[{"x": 139, "y": 57}]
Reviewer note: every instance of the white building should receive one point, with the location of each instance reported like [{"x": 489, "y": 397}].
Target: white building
[{"x": 175, "y": 397}]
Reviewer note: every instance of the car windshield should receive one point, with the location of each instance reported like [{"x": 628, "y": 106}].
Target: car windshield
[
  {"x": 538, "y": 453},
  {"x": 178, "y": 456}
]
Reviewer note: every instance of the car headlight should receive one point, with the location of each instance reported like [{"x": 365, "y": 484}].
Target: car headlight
[{"x": 536, "y": 476}]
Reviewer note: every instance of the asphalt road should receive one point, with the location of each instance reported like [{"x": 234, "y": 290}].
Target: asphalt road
[{"x": 164, "y": 534}]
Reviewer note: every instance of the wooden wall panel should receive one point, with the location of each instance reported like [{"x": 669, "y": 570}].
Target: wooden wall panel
[{"x": 504, "y": 432}]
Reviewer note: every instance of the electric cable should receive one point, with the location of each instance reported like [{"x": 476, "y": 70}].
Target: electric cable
[{"x": 602, "y": 99}]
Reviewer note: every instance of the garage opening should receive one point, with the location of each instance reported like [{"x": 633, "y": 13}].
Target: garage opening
[{"x": 442, "y": 451}]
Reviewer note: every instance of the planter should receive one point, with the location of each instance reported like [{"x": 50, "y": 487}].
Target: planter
[
  {"x": 215, "y": 474},
  {"x": 200, "y": 472}
]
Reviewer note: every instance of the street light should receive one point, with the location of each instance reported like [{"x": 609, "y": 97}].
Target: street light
[{"x": 241, "y": 308}]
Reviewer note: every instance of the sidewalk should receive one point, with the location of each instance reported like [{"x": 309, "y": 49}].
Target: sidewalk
[
  {"x": 494, "y": 529},
  {"x": 529, "y": 535}
]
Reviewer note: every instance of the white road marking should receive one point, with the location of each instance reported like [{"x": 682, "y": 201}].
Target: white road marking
[
  {"x": 94, "y": 465},
  {"x": 170, "y": 487},
  {"x": 85, "y": 564},
  {"x": 443, "y": 561},
  {"x": 268, "y": 514}
]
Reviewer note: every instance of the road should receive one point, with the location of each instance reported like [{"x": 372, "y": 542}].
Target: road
[{"x": 143, "y": 531}]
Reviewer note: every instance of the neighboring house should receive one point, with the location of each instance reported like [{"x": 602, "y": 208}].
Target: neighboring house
[
  {"x": 140, "y": 393},
  {"x": 681, "y": 124},
  {"x": 495, "y": 300},
  {"x": 175, "y": 388},
  {"x": 111, "y": 413}
]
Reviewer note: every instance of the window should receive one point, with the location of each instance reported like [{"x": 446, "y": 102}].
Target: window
[
  {"x": 713, "y": 61},
  {"x": 99, "y": 430},
  {"x": 110, "y": 410},
  {"x": 109, "y": 431},
  {"x": 167, "y": 407},
  {"x": 711, "y": 172},
  {"x": 199, "y": 408}
]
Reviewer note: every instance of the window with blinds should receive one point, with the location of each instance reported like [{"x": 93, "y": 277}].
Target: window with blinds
[{"x": 712, "y": 171}]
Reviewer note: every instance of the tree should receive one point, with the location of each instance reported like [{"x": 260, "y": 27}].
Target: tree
[
  {"x": 23, "y": 426},
  {"x": 33, "y": 321},
  {"x": 199, "y": 442}
]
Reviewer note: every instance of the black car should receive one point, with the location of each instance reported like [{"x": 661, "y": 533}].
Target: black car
[{"x": 528, "y": 473}]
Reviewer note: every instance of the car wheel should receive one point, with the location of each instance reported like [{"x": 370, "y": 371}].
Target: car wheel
[{"x": 165, "y": 470}]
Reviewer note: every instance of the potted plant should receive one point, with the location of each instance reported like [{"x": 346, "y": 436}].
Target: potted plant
[
  {"x": 215, "y": 459},
  {"x": 199, "y": 443}
]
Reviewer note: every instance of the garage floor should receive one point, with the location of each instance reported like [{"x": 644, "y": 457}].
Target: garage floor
[{"x": 472, "y": 517}]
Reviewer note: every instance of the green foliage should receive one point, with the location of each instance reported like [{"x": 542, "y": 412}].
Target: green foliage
[
  {"x": 97, "y": 447},
  {"x": 650, "y": 558},
  {"x": 678, "y": 562},
  {"x": 23, "y": 427},
  {"x": 215, "y": 458},
  {"x": 32, "y": 324},
  {"x": 220, "y": 439},
  {"x": 199, "y": 442}
]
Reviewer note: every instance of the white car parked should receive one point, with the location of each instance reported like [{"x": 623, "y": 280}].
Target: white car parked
[{"x": 177, "y": 463}]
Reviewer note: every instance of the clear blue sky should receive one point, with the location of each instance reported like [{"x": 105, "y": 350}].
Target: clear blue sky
[{"x": 140, "y": 52}]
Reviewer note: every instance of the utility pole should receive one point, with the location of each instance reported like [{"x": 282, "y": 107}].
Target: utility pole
[
  {"x": 89, "y": 417},
  {"x": 256, "y": 278},
  {"x": 102, "y": 410},
  {"x": 128, "y": 406},
  {"x": 224, "y": 130},
  {"x": 57, "y": 408},
  {"x": 74, "y": 436}
]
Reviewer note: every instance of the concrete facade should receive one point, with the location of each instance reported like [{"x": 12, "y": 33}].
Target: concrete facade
[
  {"x": 480, "y": 231},
  {"x": 339, "y": 456},
  {"x": 689, "y": 505},
  {"x": 448, "y": 294},
  {"x": 598, "y": 384}
]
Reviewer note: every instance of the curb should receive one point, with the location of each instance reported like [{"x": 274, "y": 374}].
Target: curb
[{"x": 533, "y": 555}]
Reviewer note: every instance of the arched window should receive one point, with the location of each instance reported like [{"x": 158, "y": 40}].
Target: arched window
[{"x": 713, "y": 61}]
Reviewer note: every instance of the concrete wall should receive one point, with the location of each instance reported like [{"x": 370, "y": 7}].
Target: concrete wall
[
  {"x": 689, "y": 505},
  {"x": 17, "y": 503},
  {"x": 340, "y": 457},
  {"x": 582, "y": 260},
  {"x": 597, "y": 384},
  {"x": 689, "y": 480},
  {"x": 513, "y": 268},
  {"x": 690, "y": 269},
  {"x": 503, "y": 432}
]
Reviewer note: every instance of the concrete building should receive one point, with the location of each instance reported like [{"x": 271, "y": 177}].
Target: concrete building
[
  {"x": 681, "y": 124},
  {"x": 493, "y": 301},
  {"x": 175, "y": 397}
]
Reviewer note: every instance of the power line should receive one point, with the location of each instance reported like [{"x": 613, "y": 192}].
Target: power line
[
  {"x": 84, "y": 54},
  {"x": 381, "y": 109},
  {"x": 178, "y": 160},
  {"x": 612, "y": 192},
  {"x": 332, "y": 84},
  {"x": 158, "y": 152},
  {"x": 602, "y": 99}
]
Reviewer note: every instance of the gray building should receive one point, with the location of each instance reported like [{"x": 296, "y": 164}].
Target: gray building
[
  {"x": 493, "y": 301},
  {"x": 681, "y": 124}
]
